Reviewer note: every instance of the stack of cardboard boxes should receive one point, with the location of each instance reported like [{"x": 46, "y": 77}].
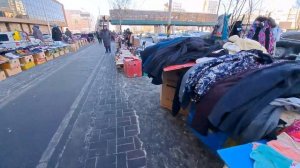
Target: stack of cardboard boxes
[
  {"x": 11, "y": 67},
  {"x": 49, "y": 56},
  {"x": 27, "y": 62},
  {"x": 39, "y": 58}
]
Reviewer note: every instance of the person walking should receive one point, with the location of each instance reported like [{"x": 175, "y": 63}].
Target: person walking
[
  {"x": 56, "y": 33},
  {"x": 68, "y": 33},
  {"x": 106, "y": 37},
  {"x": 37, "y": 34},
  {"x": 99, "y": 37}
]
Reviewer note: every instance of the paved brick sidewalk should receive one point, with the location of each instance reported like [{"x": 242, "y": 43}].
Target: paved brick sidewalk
[
  {"x": 113, "y": 141},
  {"x": 121, "y": 125}
]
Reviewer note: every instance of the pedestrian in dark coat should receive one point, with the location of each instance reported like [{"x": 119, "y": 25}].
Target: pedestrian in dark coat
[
  {"x": 99, "y": 37},
  {"x": 56, "y": 34},
  {"x": 106, "y": 37},
  {"x": 37, "y": 34},
  {"x": 68, "y": 33}
]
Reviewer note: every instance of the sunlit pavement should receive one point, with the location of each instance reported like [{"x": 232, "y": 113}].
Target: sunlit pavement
[{"x": 80, "y": 111}]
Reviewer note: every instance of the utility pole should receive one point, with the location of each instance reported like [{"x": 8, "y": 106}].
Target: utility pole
[{"x": 169, "y": 19}]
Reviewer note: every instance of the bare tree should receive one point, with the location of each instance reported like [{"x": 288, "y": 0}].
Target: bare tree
[{"x": 121, "y": 6}]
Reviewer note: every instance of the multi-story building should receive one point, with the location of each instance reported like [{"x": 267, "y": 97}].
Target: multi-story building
[
  {"x": 210, "y": 6},
  {"x": 79, "y": 21},
  {"x": 176, "y": 7},
  {"x": 21, "y": 15}
]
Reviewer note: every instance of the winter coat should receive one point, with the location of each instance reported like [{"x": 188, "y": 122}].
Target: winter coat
[
  {"x": 106, "y": 37},
  {"x": 37, "y": 33},
  {"x": 56, "y": 34},
  {"x": 68, "y": 33}
]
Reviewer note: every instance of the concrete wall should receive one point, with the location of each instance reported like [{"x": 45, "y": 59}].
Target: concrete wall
[
  {"x": 3, "y": 27},
  {"x": 15, "y": 26}
]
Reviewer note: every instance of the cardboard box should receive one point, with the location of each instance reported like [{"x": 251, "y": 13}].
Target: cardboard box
[
  {"x": 27, "y": 66},
  {"x": 2, "y": 75},
  {"x": 11, "y": 64},
  {"x": 39, "y": 58},
  {"x": 26, "y": 59},
  {"x": 3, "y": 59},
  {"x": 13, "y": 71},
  {"x": 168, "y": 89},
  {"x": 39, "y": 55},
  {"x": 49, "y": 58},
  {"x": 171, "y": 76},
  {"x": 56, "y": 54},
  {"x": 67, "y": 50},
  {"x": 73, "y": 47},
  {"x": 39, "y": 61},
  {"x": 61, "y": 52}
]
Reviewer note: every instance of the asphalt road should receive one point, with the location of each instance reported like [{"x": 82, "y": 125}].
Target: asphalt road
[{"x": 31, "y": 113}]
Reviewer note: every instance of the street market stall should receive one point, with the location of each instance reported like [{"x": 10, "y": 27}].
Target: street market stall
[
  {"x": 233, "y": 93},
  {"x": 14, "y": 61}
]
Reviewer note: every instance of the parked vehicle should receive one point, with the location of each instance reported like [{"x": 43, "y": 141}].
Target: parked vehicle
[
  {"x": 7, "y": 41},
  {"x": 159, "y": 37},
  {"x": 148, "y": 35}
]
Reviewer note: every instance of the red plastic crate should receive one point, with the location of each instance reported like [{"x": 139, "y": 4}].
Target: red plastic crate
[{"x": 132, "y": 67}]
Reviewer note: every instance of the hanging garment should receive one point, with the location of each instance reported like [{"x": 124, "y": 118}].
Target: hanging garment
[
  {"x": 266, "y": 157},
  {"x": 225, "y": 27},
  {"x": 264, "y": 35},
  {"x": 202, "y": 78},
  {"x": 252, "y": 94},
  {"x": 17, "y": 36},
  {"x": 237, "y": 44},
  {"x": 172, "y": 52}
]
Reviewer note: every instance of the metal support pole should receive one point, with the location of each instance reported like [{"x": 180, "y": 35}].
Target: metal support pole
[
  {"x": 45, "y": 14},
  {"x": 218, "y": 7},
  {"x": 169, "y": 18}
]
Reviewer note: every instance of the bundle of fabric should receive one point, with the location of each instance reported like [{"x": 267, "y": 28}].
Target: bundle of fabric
[{"x": 177, "y": 51}]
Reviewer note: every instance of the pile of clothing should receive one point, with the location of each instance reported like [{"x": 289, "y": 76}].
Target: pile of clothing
[
  {"x": 283, "y": 152},
  {"x": 177, "y": 51},
  {"x": 32, "y": 49},
  {"x": 229, "y": 89}
]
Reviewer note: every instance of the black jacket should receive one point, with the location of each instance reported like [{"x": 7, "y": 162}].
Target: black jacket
[
  {"x": 245, "y": 100},
  {"x": 56, "y": 34}
]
